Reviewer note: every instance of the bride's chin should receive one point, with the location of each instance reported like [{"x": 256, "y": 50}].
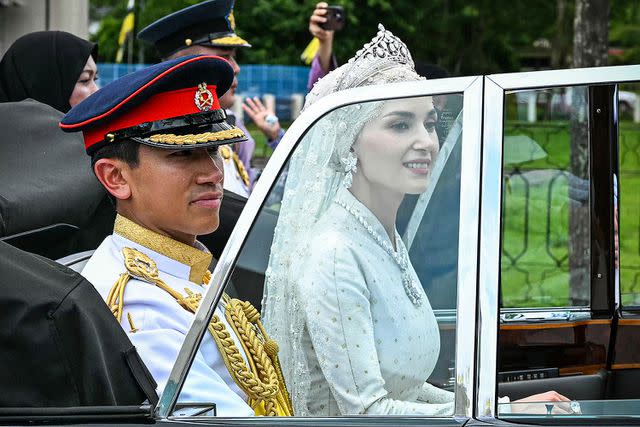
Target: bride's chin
[
  {"x": 419, "y": 188},
  {"x": 418, "y": 191}
]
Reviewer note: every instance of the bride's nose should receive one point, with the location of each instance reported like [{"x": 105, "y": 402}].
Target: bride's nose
[{"x": 427, "y": 141}]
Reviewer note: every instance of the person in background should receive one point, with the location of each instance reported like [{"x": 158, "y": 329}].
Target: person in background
[
  {"x": 52, "y": 67},
  {"x": 325, "y": 60},
  {"x": 208, "y": 28},
  {"x": 42, "y": 75}
]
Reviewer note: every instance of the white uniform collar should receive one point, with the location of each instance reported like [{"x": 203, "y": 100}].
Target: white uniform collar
[{"x": 181, "y": 260}]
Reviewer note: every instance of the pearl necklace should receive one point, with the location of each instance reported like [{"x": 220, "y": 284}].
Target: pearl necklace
[{"x": 400, "y": 257}]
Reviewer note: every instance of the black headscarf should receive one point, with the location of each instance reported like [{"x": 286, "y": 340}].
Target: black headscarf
[{"x": 44, "y": 66}]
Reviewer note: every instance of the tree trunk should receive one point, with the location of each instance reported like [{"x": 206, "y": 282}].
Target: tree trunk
[
  {"x": 590, "y": 46},
  {"x": 591, "y": 33},
  {"x": 561, "y": 40}
]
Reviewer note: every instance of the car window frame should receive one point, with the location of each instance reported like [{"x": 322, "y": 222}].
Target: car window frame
[
  {"x": 471, "y": 88},
  {"x": 495, "y": 88}
]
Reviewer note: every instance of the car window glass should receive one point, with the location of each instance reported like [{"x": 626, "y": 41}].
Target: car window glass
[
  {"x": 365, "y": 323},
  {"x": 628, "y": 194},
  {"x": 554, "y": 335},
  {"x": 545, "y": 222}
]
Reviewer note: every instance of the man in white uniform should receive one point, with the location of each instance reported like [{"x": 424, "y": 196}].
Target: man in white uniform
[{"x": 154, "y": 138}]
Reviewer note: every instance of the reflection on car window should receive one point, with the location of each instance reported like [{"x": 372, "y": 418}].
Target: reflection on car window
[
  {"x": 354, "y": 240},
  {"x": 545, "y": 223}
]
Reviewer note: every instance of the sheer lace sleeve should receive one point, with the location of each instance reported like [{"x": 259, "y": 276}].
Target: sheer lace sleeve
[{"x": 336, "y": 303}]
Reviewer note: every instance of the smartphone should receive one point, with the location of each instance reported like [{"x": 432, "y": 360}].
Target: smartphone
[{"x": 336, "y": 18}]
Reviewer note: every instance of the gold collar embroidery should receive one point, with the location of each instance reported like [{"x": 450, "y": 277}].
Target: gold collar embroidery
[{"x": 198, "y": 260}]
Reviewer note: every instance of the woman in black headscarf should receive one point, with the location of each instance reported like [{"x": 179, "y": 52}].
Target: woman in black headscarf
[
  {"x": 41, "y": 165},
  {"x": 53, "y": 67}
]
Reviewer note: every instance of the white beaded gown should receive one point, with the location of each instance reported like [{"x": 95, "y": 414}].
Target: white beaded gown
[{"x": 369, "y": 349}]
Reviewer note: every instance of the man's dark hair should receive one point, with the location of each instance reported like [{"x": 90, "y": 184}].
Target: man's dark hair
[{"x": 127, "y": 151}]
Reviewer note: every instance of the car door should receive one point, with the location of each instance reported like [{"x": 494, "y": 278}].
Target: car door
[
  {"x": 444, "y": 218},
  {"x": 559, "y": 226}
]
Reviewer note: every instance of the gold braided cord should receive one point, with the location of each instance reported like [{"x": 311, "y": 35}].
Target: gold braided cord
[
  {"x": 244, "y": 318},
  {"x": 230, "y": 40},
  {"x": 199, "y": 138},
  {"x": 262, "y": 381},
  {"x": 261, "y": 387},
  {"x": 115, "y": 298},
  {"x": 227, "y": 153}
]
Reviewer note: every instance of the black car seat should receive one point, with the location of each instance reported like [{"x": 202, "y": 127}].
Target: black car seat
[
  {"x": 50, "y": 202},
  {"x": 61, "y": 345},
  {"x": 76, "y": 261}
]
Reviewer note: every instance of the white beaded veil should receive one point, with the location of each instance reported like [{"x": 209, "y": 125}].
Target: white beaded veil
[{"x": 316, "y": 170}]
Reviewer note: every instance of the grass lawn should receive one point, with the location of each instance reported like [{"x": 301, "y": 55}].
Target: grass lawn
[
  {"x": 534, "y": 266},
  {"x": 263, "y": 152}
]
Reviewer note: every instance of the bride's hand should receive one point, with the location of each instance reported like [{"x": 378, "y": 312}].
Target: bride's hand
[{"x": 537, "y": 407}]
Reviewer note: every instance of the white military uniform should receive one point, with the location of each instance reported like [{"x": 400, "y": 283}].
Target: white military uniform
[
  {"x": 156, "y": 324},
  {"x": 236, "y": 177}
]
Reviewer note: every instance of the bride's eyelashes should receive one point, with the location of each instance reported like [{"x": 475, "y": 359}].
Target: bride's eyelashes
[
  {"x": 400, "y": 126},
  {"x": 430, "y": 125}
]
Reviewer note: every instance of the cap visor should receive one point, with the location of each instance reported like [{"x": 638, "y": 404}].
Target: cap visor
[{"x": 215, "y": 134}]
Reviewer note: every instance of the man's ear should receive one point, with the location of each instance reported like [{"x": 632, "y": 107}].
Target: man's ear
[{"x": 109, "y": 173}]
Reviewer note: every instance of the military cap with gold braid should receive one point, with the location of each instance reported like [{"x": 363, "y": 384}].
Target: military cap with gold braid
[
  {"x": 173, "y": 104},
  {"x": 210, "y": 23}
]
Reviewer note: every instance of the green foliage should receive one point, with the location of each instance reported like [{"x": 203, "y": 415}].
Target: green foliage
[
  {"x": 625, "y": 31},
  {"x": 466, "y": 37}
]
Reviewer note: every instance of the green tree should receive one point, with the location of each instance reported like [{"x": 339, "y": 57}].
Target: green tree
[
  {"x": 624, "y": 31},
  {"x": 464, "y": 36}
]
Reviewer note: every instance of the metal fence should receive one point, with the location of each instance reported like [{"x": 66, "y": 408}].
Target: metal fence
[
  {"x": 535, "y": 249},
  {"x": 282, "y": 81}
]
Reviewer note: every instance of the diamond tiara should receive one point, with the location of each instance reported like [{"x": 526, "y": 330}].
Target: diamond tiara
[
  {"x": 385, "y": 59},
  {"x": 385, "y": 46}
]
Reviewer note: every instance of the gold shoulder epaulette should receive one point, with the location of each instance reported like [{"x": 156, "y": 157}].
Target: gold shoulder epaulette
[
  {"x": 228, "y": 154},
  {"x": 141, "y": 267}
]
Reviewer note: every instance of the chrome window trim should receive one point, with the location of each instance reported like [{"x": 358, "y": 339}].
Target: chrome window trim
[
  {"x": 571, "y": 77},
  {"x": 470, "y": 87},
  {"x": 489, "y": 272},
  {"x": 468, "y": 248},
  {"x": 495, "y": 87}
]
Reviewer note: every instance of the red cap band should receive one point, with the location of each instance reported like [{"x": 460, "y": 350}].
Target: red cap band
[{"x": 161, "y": 106}]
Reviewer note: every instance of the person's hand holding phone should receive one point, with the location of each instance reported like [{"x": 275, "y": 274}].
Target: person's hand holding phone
[{"x": 319, "y": 18}]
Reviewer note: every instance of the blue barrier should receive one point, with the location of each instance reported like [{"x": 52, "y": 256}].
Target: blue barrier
[{"x": 253, "y": 80}]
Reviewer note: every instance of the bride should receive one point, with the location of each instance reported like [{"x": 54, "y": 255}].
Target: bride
[{"x": 356, "y": 331}]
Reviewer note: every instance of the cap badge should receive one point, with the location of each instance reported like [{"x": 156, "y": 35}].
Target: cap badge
[{"x": 203, "y": 98}]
